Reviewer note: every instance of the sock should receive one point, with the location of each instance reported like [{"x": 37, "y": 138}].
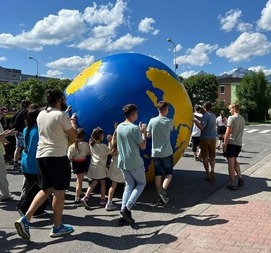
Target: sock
[{"x": 109, "y": 201}]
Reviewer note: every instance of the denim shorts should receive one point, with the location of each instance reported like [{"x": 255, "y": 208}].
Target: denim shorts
[
  {"x": 163, "y": 165},
  {"x": 19, "y": 140}
]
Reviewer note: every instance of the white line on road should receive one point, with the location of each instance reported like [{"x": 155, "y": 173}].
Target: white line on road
[
  {"x": 252, "y": 130},
  {"x": 265, "y": 131}
]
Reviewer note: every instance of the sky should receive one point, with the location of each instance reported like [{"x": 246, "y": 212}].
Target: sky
[{"x": 66, "y": 36}]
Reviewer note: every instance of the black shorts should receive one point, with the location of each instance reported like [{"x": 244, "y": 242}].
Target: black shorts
[
  {"x": 221, "y": 130},
  {"x": 232, "y": 150},
  {"x": 79, "y": 167},
  {"x": 195, "y": 143},
  {"x": 163, "y": 165},
  {"x": 54, "y": 172}
]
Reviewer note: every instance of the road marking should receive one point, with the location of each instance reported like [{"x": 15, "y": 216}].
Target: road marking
[
  {"x": 252, "y": 130},
  {"x": 265, "y": 131}
]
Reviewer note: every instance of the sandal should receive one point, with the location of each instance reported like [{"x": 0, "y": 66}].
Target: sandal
[{"x": 232, "y": 187}]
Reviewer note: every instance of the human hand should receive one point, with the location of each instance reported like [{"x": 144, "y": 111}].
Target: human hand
[
  {"x": 109, "y": 137},
  {"x": 68, "y": 109}
]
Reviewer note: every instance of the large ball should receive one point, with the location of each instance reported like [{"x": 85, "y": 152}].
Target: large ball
[{"x": 100, "y": 91}]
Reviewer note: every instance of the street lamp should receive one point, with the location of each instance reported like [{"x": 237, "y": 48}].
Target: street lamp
[
  {"x": 175, "y": 63},
  {"x": 32, "y": 58}
]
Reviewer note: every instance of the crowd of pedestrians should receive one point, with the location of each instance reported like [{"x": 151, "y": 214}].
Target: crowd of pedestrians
[{"x": 48, "y": 159}]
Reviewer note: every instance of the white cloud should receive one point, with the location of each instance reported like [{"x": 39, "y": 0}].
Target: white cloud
[
  {"x": 258, "y": 68},
  {"x": 52, "y": 30},
  {"x": 73, "y": 63},
  {"x": 197, "y": 56},
  {"x": 3, "y": 58},
  {"x": 146, "y": 26},
  {"x": 155, "y": 57},
  {"x": 187, "y": 74},
  {"x": 54, "y": 73},
  {"x": 264, "y": 22},
  {"x": 244, "y": 27},
  {"x": 230, "y": 20},
  {"x": 246, "y": 46},
  {"x": 97, "y": 28},
  {"x": 178, "y": 47}
]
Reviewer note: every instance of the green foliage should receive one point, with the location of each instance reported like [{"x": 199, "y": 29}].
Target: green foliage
[
  {"x": 254, "y": 95},
  {"x": 201, "y": 88},
  {"x": 32, "y": 89}
]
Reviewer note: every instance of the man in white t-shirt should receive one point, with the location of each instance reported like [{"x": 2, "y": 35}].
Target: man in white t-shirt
[{"x": 55, "y": 127}]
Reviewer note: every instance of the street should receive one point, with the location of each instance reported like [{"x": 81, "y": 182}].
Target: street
[{"x": 97, "y": 230}]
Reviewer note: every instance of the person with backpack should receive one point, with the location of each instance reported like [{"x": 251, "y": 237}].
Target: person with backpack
[{"x": 18, "y": 122}]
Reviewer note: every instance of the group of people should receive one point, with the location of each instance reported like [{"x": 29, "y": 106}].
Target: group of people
[
  {"x": 230, "y": 131},
  {"x": 47, "y": 159},
  {"x": 46, "y": 139}
]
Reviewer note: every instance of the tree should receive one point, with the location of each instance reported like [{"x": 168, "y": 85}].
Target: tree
[
  {"x": 5, "y": 89},
  {"x": 201, "y": 88},
  {"x": 254, "y": 95}
]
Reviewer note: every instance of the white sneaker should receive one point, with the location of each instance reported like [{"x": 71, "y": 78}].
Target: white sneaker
[{"x": 110, "y": 207}]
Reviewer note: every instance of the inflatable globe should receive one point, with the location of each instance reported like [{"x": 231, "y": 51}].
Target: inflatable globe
[{"x": 99, "y": 93}]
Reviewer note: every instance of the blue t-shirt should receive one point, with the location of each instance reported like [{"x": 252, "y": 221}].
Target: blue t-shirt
[
  {"x": 208, "y": 120},
  {"x": 128, "y": 139},
  {"x": 160, "y": 129},
  {"x": 29, "y": 162}
]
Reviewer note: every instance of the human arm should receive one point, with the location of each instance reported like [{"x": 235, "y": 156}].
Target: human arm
[
  {"x": 71, "y": 132},
  {"x": 143, "y": 127}
]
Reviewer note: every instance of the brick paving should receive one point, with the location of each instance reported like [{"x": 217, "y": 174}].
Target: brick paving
[{"x": 235, "y": 221}]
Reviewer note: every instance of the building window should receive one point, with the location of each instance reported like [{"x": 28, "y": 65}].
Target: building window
[{"x": 222, "y": 89}]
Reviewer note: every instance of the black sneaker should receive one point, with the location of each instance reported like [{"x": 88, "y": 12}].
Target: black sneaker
[
  {"x": 241, "y": 182},
  {"x": 77, "y": 203},
  {"x": 160, "y": 203},
  {"x": 126, "y": 214},
  {"x": 163, "y": 196},
  {"x": 122, "y": 222}
]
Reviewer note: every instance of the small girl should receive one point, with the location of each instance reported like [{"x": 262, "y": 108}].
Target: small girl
[
  {"x": 77, "y": 153},
  {"x": 114, "y": 173},
  {"x": 97, "y": 169}
]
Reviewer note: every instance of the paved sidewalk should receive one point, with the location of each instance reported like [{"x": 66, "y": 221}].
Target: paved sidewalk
[{"x": 234, "y": 221}]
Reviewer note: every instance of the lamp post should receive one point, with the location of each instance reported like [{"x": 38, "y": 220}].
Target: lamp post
[
  {"x": 32, "y": 58},
  {"x": 175, "y": 63}
]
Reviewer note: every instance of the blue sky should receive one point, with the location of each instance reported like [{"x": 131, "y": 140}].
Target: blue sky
[{"x": 65, "y": 36}]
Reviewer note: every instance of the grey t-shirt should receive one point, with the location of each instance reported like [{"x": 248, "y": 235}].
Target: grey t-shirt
[
  {"x": 237, "y": 123},
  {"x": 209, "y": 122}
]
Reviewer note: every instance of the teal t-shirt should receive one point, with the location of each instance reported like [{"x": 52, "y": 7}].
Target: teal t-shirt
[
  {"x": 128, "y": 139},
  {"x": 160, "y": 129},
  {"x": 209, "y": 122}
]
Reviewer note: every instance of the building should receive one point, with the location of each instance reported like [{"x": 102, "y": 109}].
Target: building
[
  {"x": 227, "y": 89},
  {"x": 15, "y": 76}
]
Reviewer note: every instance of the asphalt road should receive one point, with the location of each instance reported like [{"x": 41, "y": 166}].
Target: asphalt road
[{"x": 96, "y": 230}]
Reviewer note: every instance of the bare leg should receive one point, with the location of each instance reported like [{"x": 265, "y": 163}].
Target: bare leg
[
  {"x": 158, "y": 183},
  {"x": 231, "y": 163},
  {"x": 91, "y": 187},
  {"x": 206, "y": 166},
  {"x": 167, "y": 181},
  {"x": 102, "y": 185},
  {"x": 111, "y": 190},
  {"x": 237, "y": 168},
  {"x": 39, "y": 199},
  {"x": 79, "y": 182},
  {"x": 17, "y": 154},
  {"x": 58, "y": 206}
]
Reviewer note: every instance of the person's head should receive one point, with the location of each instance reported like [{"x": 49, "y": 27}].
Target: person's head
[
  {"x": 197, "y": 108},
  {"x": 31, "y": 118},
  {"x": 163, "y": 107},
  {"x": 207, "y": 106},
  {"x": 222, "y": 114},
  {"x": 234, "y": 108},
  {"x": 130, "y": 111},
  {"x": 97, "y": 135},
  {"x": 25, "y": 104},
  {"x": 33, "y": 107},
  {"x": 80, "y": 133},
  {"x": 56, "y": 98}
]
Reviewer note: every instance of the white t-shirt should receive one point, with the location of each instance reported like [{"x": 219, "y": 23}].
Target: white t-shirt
[
  {"x": 196, "y": 131},
  {"x": 52, "y": 124},
  {"x": 80, "y": 153}
]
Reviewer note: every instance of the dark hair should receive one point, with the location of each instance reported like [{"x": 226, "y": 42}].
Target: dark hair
[
  {"x": 52, "y": 96},
  {"x": 31, "y": 120},
  {"x": 207, "y": 105},
  {"x": 95, "y": 136},
  {"x": 129, "y": 109},
  {"x": 25, "y": 104},
  {"x": 80, "y": 135},
  {"x": 197, "y": 108},
  {"x": 162, "y": 105},
  {"x": 33, "y": 107}
]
